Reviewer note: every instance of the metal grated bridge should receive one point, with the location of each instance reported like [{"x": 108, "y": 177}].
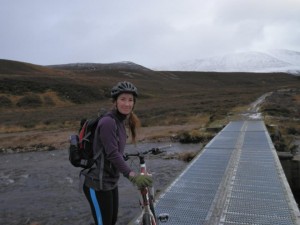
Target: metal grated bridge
[{"x": 236, "y": 180}]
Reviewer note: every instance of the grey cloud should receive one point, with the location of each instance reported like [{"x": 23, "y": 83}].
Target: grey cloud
[{"x": 147, "y": 32}]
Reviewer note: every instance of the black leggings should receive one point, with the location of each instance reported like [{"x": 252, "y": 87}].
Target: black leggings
[{"x": 104, "y": 205}]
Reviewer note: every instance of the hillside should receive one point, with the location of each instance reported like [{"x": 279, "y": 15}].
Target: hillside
[
  {"x": 15, "y": 67},
  {"x": 40, "y": 97}
]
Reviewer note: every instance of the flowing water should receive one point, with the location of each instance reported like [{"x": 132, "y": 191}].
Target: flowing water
[{"x": 42, "y": 188}]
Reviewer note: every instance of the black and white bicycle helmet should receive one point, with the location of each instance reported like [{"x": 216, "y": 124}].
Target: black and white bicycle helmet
[{"x": 123, "y": 87}]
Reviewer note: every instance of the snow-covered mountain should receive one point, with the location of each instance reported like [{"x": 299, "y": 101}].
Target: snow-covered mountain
[{"x": 270, "y": 61}]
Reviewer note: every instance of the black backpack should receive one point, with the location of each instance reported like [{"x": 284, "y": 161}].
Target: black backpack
[{"x": 81, "y": 144}]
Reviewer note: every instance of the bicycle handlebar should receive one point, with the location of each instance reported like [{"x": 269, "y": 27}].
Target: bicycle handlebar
[{"x": 153, "y": 151}]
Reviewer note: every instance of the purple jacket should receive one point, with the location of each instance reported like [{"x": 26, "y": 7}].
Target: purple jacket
[{"x": 110, "y": 139}]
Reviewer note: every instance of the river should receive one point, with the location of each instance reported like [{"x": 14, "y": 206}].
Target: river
[{"x": 42, "y": 188}]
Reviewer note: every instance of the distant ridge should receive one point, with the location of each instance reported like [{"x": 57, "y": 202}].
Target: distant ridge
[
  {"x": 100, "y": 66},
  {"x": 126, "y": 68}
]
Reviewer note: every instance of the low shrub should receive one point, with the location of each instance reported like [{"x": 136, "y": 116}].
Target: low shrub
[
  {"x": 48, "y": 101},
  {"x": 293, "y": 131},
  {"x": 5, "y": 102},
  {"x": 31, "y": 100},
  {"x": 194, "y": 137},
  {"x": 183, "y": 156},
  {"x": 277, "y": 111},
  {"x": 187, "y": 156}
]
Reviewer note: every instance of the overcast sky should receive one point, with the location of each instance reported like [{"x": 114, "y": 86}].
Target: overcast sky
[{"x": 148, "y": 32}]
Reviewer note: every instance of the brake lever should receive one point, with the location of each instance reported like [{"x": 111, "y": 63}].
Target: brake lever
[{"x": 125, "y": 157}]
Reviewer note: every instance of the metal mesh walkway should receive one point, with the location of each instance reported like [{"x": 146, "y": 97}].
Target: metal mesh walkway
[{"x": 236, "y": 180}]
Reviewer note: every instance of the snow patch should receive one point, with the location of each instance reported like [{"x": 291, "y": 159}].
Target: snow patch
[{"x": 253, "y": 61}]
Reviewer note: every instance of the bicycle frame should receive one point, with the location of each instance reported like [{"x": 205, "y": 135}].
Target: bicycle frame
[{"x": 147, "y": 193}]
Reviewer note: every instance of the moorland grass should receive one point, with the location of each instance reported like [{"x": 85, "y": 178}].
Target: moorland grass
[{"x": 166, "y": 97}]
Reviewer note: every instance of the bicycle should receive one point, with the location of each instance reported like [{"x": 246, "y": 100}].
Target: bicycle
[{"x": 147, "y": 193}]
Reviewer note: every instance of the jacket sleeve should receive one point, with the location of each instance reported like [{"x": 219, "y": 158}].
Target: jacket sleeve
[{"x": 113, "y": 144}]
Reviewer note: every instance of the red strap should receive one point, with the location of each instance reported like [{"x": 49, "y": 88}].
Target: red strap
[{"x": 81, "y": 135}]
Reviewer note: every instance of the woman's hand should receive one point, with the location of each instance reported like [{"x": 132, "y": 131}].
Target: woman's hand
[{"x": 140, "y": 181}]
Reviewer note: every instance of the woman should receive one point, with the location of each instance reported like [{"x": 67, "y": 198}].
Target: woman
[{"x": 101, "y": 182}]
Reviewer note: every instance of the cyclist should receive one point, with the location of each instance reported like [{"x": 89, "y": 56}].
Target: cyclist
[{"x": 101, "y": 182}]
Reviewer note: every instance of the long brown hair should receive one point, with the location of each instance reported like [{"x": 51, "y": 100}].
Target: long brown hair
[{"x": 133, "y": 123}]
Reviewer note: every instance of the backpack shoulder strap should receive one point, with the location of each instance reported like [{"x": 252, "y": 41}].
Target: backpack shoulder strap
[
  {"x": 116, "y": 127},
  {"x": 114, "y": 118}
]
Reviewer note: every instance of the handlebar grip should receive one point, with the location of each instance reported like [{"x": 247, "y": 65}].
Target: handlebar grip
[
  {"x": 156, "y": 151},
  {"x": 159, "y": 150}
]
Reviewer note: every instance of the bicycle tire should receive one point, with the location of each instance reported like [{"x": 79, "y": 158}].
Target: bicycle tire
[
  {"x": 146, "y": 219},
  {"x": 152, "y": 206}
]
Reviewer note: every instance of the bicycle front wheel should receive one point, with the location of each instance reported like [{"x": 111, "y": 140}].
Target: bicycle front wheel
[
  {"x": 152, "y": 206},
  {"x": 148, "y": 220}
]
